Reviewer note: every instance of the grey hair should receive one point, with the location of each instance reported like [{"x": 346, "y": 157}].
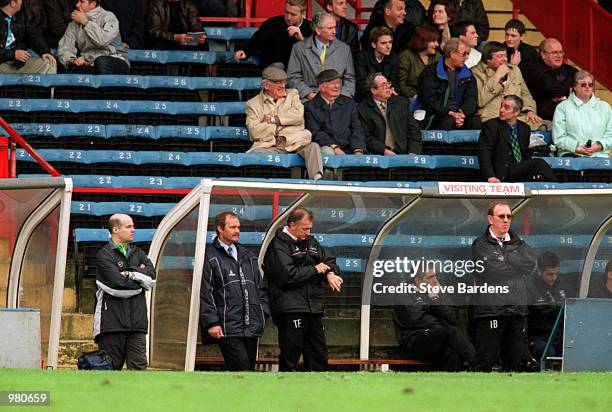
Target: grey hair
[
  {"x": 581, "y": 75},
  {"x": 317, "y": 19},
  {"x": 371, "y": 80},
  {"x": 518, "y": 102}
]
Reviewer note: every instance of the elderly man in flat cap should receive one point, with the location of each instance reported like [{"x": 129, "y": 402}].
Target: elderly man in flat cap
[
  {"x": 333, "y": 119},
  {"x": 275, "y": 120}
]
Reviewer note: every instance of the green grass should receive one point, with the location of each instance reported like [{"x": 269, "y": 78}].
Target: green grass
[{"x": 349, "y": 391}]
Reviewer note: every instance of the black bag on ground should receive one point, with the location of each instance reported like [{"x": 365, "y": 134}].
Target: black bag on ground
[{"x": 96, "y": 360}]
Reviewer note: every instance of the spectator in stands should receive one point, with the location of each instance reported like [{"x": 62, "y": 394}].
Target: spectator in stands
[
  {"x": 447, "y": 90},
  {"x": 602, "y": 288},
  {"x": 298, "y": 270},
  {"x": 131, "y": 21},
  {"x": 415, "y": 12},
  {"x": 474, "y": 11},
  {"x": 519, "y": 53},
  {"x": 35, "y": 13},
  {"x": 546, "y": 293},
  {"x": 380, "y": 58},
  {"x": 501, "y": 318},
  {"x": 422, "y": 50},
  {"x": 275, "y": 121},
  {"x": 92, "y": 43},
  {"x": 442, "y": 15},
  {"x": 387, "y": 120},
  {"x": 333, "y": 119},
  {"x": 503, "y": 144},
  {"x": 225, "y": 317},
  {"x": 582, "y": 124},
  {"x": 496, "y": 79},
  {"x": 549, "y": 79},
  {"x": 392, "y": 16},
  {"x": 170, "y": 24},
  {"x": 16, "y": 37},
  {"x": 218, "y": 8},
  {"x": 123, "y": 274},
  {"x": 319, "y": 52},
  {"x": 277, "y": 35},
  {"x": 346, "y": 30},
  {"x": 426, "y": 327},
  {"x": 57, "y": 19},
  {"x": 466, "y": 33}
]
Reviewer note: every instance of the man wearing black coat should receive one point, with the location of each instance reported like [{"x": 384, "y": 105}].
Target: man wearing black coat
[
  {"x": 378, "y": 58},
  {"x": 447, "y": 90},
  {"x": 474, "y": 12},
  {"x": 123, "y": 274},
  {"x": 392, "y": 16},
  {"x": 57, "y": 19},
  {"x": 346, "y": 30},
  {"x": 547, "y": 293},
  {"x": 389, "y": 125},
  {"x": 503, "y": 144},
  {"x": 426, "y": 327},
  {"x": 233, "y": 296},
  {"x": 500, "y": 311},
  {"x": 298, "y": 270},
  {"x": 333, "y": 119},
  {"x": 131, "y": 21},
  {"x": 276, "y": 36}
]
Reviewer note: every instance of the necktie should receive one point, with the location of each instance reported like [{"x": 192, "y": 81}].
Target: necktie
[
  {"x": 10, "y": 37},
  {"x": 516, "y": 149},
  {"x": 383, "y": 107},
  {"x": 232, "y": 250},
  {"x": 323, "y": 53}
]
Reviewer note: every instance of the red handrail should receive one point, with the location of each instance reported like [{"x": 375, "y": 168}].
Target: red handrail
[
  {"x": 15, "y": 138},
  {"x": 583, "y": 27}
]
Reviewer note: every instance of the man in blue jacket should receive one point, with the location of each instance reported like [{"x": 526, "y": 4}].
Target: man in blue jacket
[
  {"x": 233, "y": 296},
  {"x": 333, "y": 119}
]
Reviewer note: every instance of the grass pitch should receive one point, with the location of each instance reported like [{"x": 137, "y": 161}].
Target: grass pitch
[{"x": 339, "y": 391}]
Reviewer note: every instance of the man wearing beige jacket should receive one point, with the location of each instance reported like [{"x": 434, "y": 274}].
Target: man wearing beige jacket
[
  {"x": 496, "y": 79},
  {"x": 275, "y": 120}
]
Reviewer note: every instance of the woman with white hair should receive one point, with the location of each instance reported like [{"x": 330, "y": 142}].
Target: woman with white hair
[{"x": 582, "y": 124}]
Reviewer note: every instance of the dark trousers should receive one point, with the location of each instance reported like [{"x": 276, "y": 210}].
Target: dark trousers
[
  {"x": 239, "y": 354},
  {"x": 102, "y": 65},
  {"x": 446, "y": 348},
  {"x": 301, "y": 334},
  {"x": 125, "y": 347},
  {"x": 532, "y": 169},
  {"x": 503, "y": 335},
  {"x": 538, "y": 344},
  {"x": 447, "y": 122}
]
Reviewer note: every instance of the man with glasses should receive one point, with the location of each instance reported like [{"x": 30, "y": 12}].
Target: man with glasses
[
  {"x": 447, "y": 90},
  {"x": 275, "y": 121},
  {"x": 549, "y": 79},
  {"x": 503, "y": 144},
  {"x": 500, "y": 311},
  {"x": 386, "y": 118}
]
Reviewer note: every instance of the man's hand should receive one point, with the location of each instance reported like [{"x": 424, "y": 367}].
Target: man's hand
[
  {"x": 294, "y": 31},
  {"x": 79, "y": 61},
  {"x": 183, "y": 38},
  {"x": 338, "y": 151},
  {"x": 79, "y": 17},
  {"x": 388, "y": 152},
  {"x": 501, "y": 72},
  {"x": 515, "y": 58},
  {"x": 240, "y": 55},
  {"x": 311, "y": 95},
  {"x": 493, "y": 180},
  {"x": 321, "y": 268},
  {"x": 459, "y": 118},
  {"x": 202, "y": 38},
  {"x": 357, "y": 152},
  {"x": 533, "y": 118},
  {"x": 49, "y": 59},
  {"x": 335, "y": 282},
  {"x": 216, "y": 332},
  {"x": 22, "y": 56}
]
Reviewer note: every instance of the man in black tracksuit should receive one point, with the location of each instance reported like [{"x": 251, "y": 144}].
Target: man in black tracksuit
[
  {"x": 501, "y": 316},
  {"x": 426, "y": 327},
  {"x": 297, "y": 269},
  {"x": 233, "y": 296},
  {"x": 123, "y": 274},
  {"x": 547, "y": 293}
]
